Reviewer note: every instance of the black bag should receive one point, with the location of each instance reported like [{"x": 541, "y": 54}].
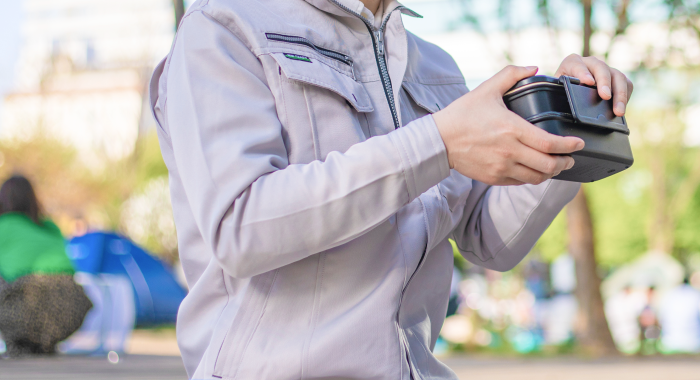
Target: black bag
[
  {"x": 38, "y": 311},
  {"x": 564, "y": 107}
]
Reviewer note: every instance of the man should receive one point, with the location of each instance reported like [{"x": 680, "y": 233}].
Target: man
[
  {"x": 622, "y": 311},
  {"x": 679, "y": 316},
  {"x": 320, "y": 157}
]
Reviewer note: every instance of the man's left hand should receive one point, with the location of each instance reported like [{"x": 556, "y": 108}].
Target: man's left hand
[{"x": 592, "y": 71}]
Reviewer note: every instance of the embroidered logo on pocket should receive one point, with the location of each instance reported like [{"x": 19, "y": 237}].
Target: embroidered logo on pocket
[{"x": 297, "y": 57}]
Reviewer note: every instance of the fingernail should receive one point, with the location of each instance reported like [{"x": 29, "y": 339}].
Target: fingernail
[
  {"x": 532, "y": 68},
  {"x": 590, "y": 77},
  {"x": 571, "y": 164},
  {"x": 620, "y": 107},
  {"x": 580, "y": 145},
  {"x": 606, "y": 91}
]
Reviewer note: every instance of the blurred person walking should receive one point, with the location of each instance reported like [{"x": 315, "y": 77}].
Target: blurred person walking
[
  {"x": 320, "y": 156},
  {"x": 679, "y": 316},
  {"x": 40, "y": 304},
  {"x": 649, "y": 325},
  {"x": 558, "y": 313},
  {"x": 622, "y": 311}
]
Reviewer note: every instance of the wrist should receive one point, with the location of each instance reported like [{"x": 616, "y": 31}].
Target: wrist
[{"x": 446, "y": 130}]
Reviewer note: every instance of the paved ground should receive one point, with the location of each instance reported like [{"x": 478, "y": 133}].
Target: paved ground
[
  {"x": 132, "y": 367},
  {"x": 662, "y": 368},
  {"x": 143, "y": 367}
]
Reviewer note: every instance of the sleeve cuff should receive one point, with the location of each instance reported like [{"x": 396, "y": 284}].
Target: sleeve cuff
[{"x": 423, "y": 155}]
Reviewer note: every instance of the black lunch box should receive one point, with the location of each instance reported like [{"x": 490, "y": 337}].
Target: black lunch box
[{"x": 564, "y": 107}]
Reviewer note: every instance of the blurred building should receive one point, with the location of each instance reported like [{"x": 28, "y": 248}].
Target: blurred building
[
  {"x": 83, "y": 66},
  {"x": 82, "y": 72}
]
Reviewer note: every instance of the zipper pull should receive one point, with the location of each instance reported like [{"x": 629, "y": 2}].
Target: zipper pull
[
  {"x": 352, "y": 67},
  {"x": 380, "y": 42},
  {"x": 350, "y": 62}
]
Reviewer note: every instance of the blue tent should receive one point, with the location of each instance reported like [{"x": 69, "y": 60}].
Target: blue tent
[{"x": 156, "y": 292}]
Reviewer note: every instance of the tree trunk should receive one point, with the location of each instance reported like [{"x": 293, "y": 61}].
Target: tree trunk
[
  {"x": 179, "y": 6},
  {"x": 592, "y": 328},
  {"x": 662, "y": 225},
  {"x": 587, "y": 26}
]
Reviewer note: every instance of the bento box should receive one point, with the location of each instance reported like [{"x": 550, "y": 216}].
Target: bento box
[{"x": 565, "y": 107}]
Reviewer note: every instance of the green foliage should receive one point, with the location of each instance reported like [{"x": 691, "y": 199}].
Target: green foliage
[
  {"x": 68, "y": 187},
  {"x": 554, "y": 241},
  {"x": 148, "y": 159},
  {"x": 75, "y": 190},
  {"x": 619, "y": 208},
  {"x": 687, "y": 238}
]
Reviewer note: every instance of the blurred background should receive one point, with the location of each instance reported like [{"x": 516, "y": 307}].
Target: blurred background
[{"x": 617, "y": 273}]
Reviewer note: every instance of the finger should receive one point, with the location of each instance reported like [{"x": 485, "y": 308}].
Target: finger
[
  {"x": 574, "y": 66},
  {"x": 527, "y": 175},
  {"x": 620, "y": 94},
  {"x": 505, "y": 79},
  {"x": 543, "y": 141},
  {"x": 542, "y": 162},
  {"x": 601, "y": 73}
]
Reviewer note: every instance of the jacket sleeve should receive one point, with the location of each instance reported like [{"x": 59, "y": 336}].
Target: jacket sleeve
[
  {"x": 500, "y": 225},
  {"x": 254, "y": 210}
]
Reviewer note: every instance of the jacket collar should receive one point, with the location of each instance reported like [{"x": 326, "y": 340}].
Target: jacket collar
[{"x": 335, "y": 7}]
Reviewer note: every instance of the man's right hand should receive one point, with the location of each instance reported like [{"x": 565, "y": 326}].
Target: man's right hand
[{"x": 487, "y": 142}]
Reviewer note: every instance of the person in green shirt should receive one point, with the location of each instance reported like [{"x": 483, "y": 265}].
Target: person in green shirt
[
  {"x": 40, "y": 303},
  {"x": 29, "y": 242}
]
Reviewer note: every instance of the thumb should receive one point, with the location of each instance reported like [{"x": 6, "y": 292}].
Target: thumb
[{"x": 505, "y": 79}]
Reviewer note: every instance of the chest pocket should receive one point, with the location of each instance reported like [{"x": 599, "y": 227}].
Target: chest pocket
[
  {"x": 319, "y": 104},
  {"x": 422, "y": 99}
]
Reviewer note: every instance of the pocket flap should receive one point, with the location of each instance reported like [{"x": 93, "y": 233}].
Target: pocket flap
[
  {"x": 312, "y": 70},
  {"x": 434, "y": 97}
]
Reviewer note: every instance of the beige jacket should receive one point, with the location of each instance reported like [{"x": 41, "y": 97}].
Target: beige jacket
[{"x": 312, "y": 194}]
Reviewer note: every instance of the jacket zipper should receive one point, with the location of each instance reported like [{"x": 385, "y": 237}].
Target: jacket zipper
[
  {"x": 379, "y": 54},
  {"x": 378, "y": 41},
  {"x": 325, "y": 52}
]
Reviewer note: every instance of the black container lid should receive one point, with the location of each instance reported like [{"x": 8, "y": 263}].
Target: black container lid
[
  {"x": 536, "y": 81},
  {"x": 585, "y": 104}
]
